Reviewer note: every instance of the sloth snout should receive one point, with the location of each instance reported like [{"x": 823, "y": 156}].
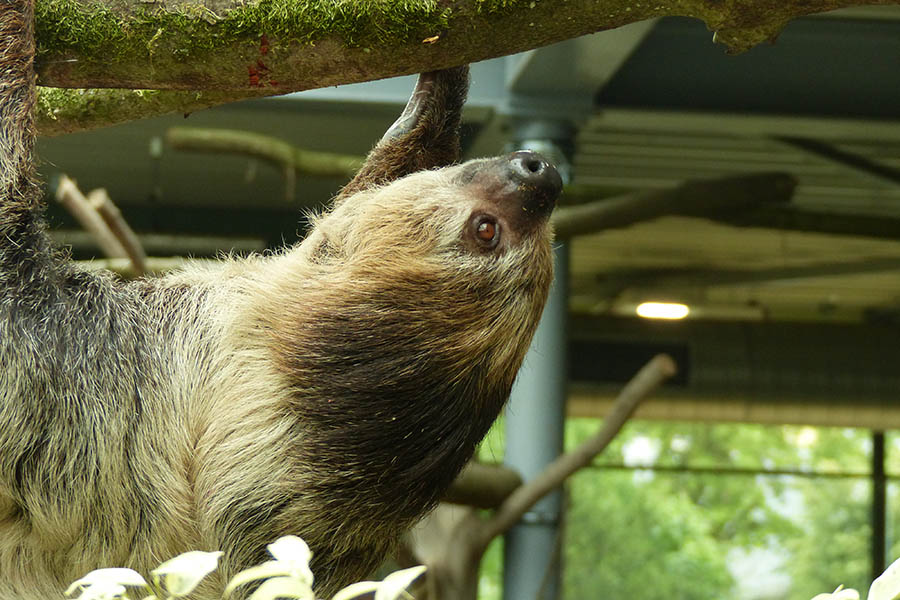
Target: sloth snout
[{"x": 539, "y": 183}]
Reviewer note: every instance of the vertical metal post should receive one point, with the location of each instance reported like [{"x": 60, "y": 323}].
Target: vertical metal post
[
  {"x": 534, "y": 430},
  {"x": 879, "y": 505}
]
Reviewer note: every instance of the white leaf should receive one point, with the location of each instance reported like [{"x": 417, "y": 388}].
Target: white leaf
[
  {"x": 101, "y": 590},
  {"x": 839, "y": 594},
  {"x": 292, "y": 551},
  {"x": 180, "y": 575},
  {"x": 290, "y": 548},
  {"x": 282, "y": 587},
  {"x": 124, "y": 577},
  {"x": 396, "y": 583},
  {"x": 272, "y": 568},
  {"x": 356, "y": 589},
  {"x": 887, "y": 585}
]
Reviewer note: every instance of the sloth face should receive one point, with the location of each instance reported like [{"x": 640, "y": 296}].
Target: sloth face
[{"x": 480, "y": 211}]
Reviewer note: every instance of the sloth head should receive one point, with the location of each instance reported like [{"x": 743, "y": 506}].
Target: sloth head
[
  {"x": 445, "y": 268},
  {"x": 480, "y": 225}
]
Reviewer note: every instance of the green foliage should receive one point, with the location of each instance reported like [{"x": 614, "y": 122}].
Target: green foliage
[
  {"x": 620, "y": 537},
  {"x": 835, "y": 545},
  {"x": 676, "y": 528}
]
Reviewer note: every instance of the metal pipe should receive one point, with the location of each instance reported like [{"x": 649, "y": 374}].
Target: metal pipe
[
  {"x": 535, "y": 416},
  {"x": 879, "y": 505}
]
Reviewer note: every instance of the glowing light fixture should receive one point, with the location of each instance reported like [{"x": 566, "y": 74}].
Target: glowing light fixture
[{"x": 662, "y": 310}]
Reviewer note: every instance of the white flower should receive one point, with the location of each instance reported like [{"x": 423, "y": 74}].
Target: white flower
[
  {"x": 101, "y": 590},
  {"x": 107, "y": 583},
  {"x": 839, "y": 594},
  {"x": 283, "y": 587},
  {"x": 392, "y": 587},
  {"x": 887, "y": 585},
  {"x": 294, "y": 554},
  {"x": 180, "y": 575},
  {"x": 291, "y": 563}
]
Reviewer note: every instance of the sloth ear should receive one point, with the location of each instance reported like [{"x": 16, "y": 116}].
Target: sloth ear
[{"x": 425, "y": 136}]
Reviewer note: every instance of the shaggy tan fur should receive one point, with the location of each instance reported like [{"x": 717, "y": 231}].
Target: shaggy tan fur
[{"x": 333, "y": 390}]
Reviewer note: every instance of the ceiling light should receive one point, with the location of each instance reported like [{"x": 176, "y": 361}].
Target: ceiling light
[{"x": 662, "y": 310}]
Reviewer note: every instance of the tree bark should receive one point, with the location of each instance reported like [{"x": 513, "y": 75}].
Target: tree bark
[
  {"x": 722, "y": 199},
  {"x": 245, "y": 48}
]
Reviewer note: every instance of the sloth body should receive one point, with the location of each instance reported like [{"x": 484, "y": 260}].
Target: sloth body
[{"x": 332, "y": 390}]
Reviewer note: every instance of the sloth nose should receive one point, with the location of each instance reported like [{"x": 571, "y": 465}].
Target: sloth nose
[{"x": 538, "y": 181}]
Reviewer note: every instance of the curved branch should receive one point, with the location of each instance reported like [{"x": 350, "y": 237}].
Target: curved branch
[
  {"x": 517, "y": 504},
  {"x": 276, "y": 151}
]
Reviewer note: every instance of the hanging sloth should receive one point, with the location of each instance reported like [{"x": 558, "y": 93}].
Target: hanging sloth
[{"x": 332, "y": 390}]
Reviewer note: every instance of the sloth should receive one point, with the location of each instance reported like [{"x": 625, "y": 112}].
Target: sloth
[{"x": 332, "y": 390}]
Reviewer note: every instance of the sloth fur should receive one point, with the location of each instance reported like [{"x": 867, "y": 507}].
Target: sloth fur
[{"x": 332, "y": 390}]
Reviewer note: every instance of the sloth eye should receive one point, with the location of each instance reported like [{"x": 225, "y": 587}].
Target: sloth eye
[{"x": 487, "y": 230}]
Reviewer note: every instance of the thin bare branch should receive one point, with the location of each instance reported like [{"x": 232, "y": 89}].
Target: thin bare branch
[
  {"x": 68, "y": 194},
  {"x": 112, "y": 216},
  {"x": 647, "y": 379},
  {"x": 284, "y": 155}
]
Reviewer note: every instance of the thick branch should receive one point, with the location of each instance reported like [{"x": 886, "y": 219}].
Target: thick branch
[
  {"x": 716, "y": 199},
  {"x": 483, "y": 485},
  {"x": 271, "y": 47}
]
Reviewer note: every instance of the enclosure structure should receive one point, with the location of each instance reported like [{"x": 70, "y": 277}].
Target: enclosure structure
[{"x": 794, "y": 305}]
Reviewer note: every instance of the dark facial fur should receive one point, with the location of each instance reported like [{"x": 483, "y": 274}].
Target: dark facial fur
[{"x": 332, "y": 391}]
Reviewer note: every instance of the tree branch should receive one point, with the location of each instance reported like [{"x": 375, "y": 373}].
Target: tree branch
[
  {"x": 112, "y": 216},
  {"x": 452, "y": 540},
  {"x": 483, "y": 485},
  {"x": 68, "y": 194},
  {"x": 291, "y": 159},
  {"x": 716, "y": 199},
  {"x": 647, "y": 379},
  {"x": 62, "y": 111},
  {"x": 242, "y": 49},
  {"x": 101, "y": 218}
]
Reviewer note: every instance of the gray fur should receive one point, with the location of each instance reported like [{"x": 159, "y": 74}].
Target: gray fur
[{"x": 332, "y": 390}]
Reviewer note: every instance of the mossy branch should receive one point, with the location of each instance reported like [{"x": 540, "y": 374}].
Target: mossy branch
[
  {"x": 62, "y": 111},
  {"x": 235, "y": 49},
  {"x": 289, "y": 158}
]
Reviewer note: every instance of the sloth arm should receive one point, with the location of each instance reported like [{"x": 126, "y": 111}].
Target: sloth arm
[{"x": 425, "y": 136}]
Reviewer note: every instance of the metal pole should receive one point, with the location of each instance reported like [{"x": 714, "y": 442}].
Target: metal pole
[
  {"x": 534, "y": 432},
  {"x": 879, "y": 505}
]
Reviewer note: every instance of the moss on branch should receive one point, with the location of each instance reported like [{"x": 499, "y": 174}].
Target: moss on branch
[
  {"x": 61, "y": 111},
  {"x": 235, "y": 49}
]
